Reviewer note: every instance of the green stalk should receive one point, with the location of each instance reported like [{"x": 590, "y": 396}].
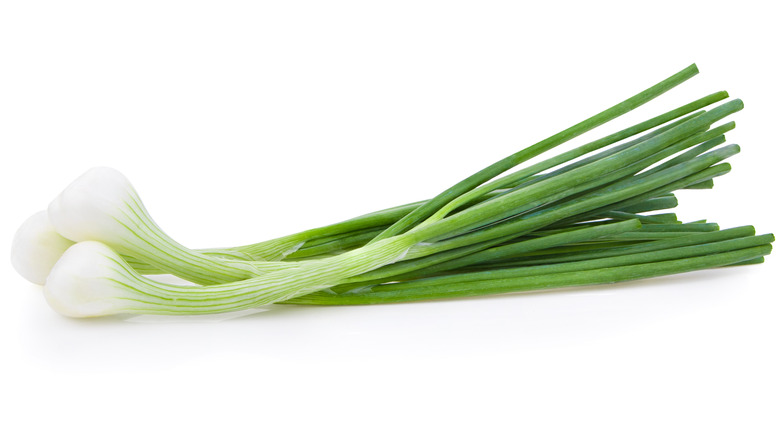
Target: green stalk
[
  {"x": 755, "y": 261},
  {"x": 704, "y": 185},
  {"x": 496, "y": 209},
  {"x": 537, "y": 258},
  {"x": 394, "y": 294},
  {"x": 457, "y": 256},
  {"x": 464, "y": 255},
  {"x": 536, "y": 249},
  {"x": 278, "y": 248},
  {"x": 537, "y": 180},
  {"x": 693, "y": 152},
  {"x": 603, "y": 262},
  {"x": 523, "y": 178},
  {"x": 607, "y": 196},
  {"x": 593, "y": 178},
  {"x": 513, "y": 160},
  {"x": 651, "y": 204},
  {"x": 666, "y": 218},
  {"x": 646, "y": 228},
  {"x": 339, "y": 243},
  {"x": 132, "y": 293}
]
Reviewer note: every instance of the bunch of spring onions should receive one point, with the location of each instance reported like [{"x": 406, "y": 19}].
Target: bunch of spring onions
[{"x": 586, "y": 216}]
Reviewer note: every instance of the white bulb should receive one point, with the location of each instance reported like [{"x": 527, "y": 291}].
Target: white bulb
[
  {"x": 88, "y": 281},
  {"x": 98, "y": 206},
  {"x": 102, "y": 206},
  {"x": 36, "y": 248}
]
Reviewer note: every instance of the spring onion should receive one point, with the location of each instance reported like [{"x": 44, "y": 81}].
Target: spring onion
[{"x": 584, "y": 216}]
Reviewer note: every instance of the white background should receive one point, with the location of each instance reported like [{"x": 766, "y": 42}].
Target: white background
[{"x": 242, "y": 121}]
